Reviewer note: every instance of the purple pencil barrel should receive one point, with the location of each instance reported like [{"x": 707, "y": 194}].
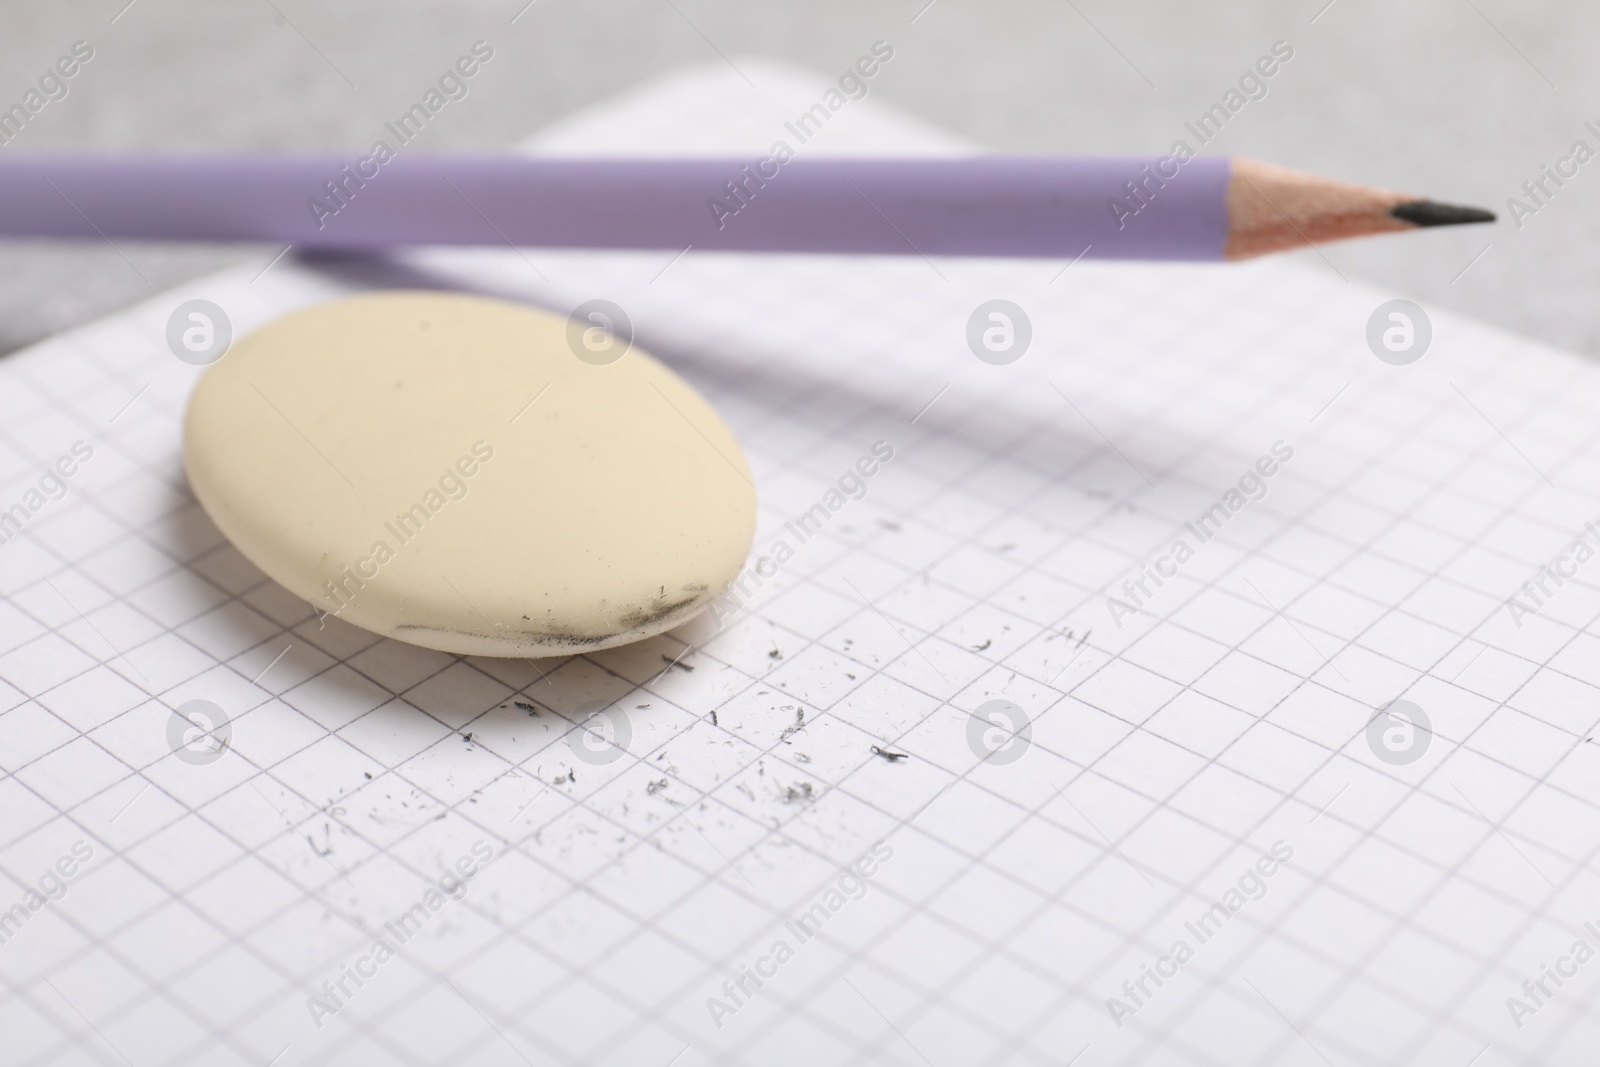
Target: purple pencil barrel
[{"x": 1025, "y": 206}]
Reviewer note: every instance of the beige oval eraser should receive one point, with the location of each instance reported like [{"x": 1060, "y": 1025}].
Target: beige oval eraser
[{"x": 446, "y": 470}]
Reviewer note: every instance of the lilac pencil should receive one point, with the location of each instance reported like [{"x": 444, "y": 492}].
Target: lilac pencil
[{"x": 1202, "y": 208}]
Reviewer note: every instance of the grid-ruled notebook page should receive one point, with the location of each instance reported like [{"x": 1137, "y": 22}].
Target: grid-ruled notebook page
[{"x": 976, "y": 766}]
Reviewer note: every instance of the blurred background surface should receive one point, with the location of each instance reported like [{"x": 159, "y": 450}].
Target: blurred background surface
[{"x": 1463, "y": 100}]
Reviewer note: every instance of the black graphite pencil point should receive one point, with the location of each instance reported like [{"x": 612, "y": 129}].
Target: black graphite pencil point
[{"x": 1433, "y": 213}]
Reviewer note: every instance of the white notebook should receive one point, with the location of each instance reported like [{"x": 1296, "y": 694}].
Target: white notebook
[{"x": 819, "y": 842}]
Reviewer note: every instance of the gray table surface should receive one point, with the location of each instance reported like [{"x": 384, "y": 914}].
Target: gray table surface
[{"x": 1460, "y": 99}]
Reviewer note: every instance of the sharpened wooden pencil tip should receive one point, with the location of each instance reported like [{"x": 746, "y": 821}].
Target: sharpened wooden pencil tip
[
  {"x": 1273, "y": 209},
  {"x": 1433, "y": 213}
]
